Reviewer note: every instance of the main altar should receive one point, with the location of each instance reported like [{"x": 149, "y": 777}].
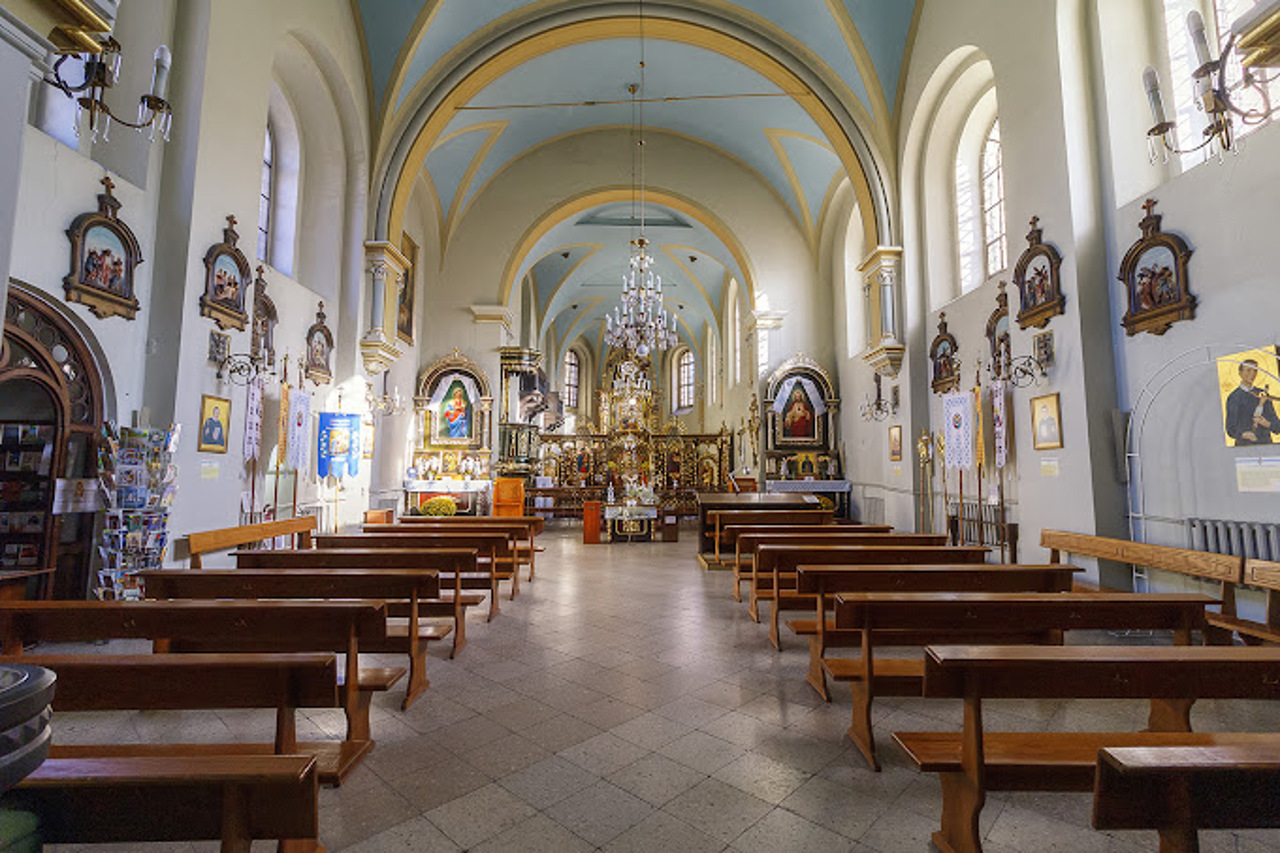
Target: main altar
[{"x": 627, "y": 456}]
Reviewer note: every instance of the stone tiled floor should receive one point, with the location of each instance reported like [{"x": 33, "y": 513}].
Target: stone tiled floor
[{"x": 625, "y": 702}]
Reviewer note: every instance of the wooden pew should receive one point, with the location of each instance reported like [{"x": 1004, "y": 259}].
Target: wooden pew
[
  {"x": 825, "y": 582},
  {"x": 410, "y": 636},
  {"x": 458, "y": 569},
  {"x": 918, "y": 619},
  {"x": 720, "y": 519},
  {"x": 773, "y": 572},
  {"x": 235, "y": 798},
  {"x": 495, "y": 549},
  {"x": 1222, "y": 570},
  {"x": 208, "y": 541},
  {"x": 379, "y": 516},
  {"x": 230, "y": 626},
  {"x": 972, "y": 762},
  {"x": 1179, "y": 790},
  {"x": 741, "y": 537},
  {"x": 526, "y": 527},
  {"x": 708, "y": 501}
]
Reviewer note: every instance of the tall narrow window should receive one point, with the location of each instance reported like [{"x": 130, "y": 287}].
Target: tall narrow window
[
  {"x": 571, "y": 380},
  {"x": 737, "y": 342},
  {"x": 993, "y": 230},
  {"x": 713, "y": 369},
  {"x": 684, "y": 381},
  {"x": 966, "y": 236},
  {"x": 264, "y": 198}
]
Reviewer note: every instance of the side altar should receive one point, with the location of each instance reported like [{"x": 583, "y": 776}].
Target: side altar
[{"x": 452, "y": 410}]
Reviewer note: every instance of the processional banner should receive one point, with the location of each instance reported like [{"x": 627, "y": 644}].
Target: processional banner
[{"x": 957, "y": 416}]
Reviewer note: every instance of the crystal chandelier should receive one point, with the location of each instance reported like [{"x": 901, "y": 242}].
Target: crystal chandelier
[{"x": 640, "y": 324}]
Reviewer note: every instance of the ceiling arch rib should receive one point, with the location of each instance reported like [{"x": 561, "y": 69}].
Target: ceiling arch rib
[{"x": 439, "y": 106}]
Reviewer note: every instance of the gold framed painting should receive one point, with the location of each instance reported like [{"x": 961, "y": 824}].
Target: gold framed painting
[
  {"x": 895, "y": 443},
  {"x": 1245, "y": 383},
  {"x": 1046, "y": 422},
  {"x": 215, "y": 424}
]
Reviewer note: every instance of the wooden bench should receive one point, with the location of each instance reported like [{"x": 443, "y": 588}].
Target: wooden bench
[
  {"x": 742, "y": 538},
  {"x": 209, "y": 541},
  {"x": 1223, "y": 571},
  {"x": 972, "y": 762},
  {"x": 496, "y": 550},
  {"x": 526, "y": 528},
  {"x": 720, "y": 519},
  {"x": 1179, "y": 790},
  {"x": 131, "y": 800},
  {"x": 379, "y": 516},
  {"x": 708, "y": 501},
  {"x": 231, "y": 626},
  {"x": 408, "y": 636},
  {"x": 457, "y": 568},
  {"x": 824, "y": 583},
  {"x": 918, "y": 619},
  {"x": 773, "y": 572}
]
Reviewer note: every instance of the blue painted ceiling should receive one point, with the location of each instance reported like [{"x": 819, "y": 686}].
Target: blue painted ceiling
[{"x": 860, "y": 42}]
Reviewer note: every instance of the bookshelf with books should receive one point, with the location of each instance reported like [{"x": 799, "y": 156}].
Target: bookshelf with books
[
  {"x": 26, "y": 494},
  {"x": 139, "y": 482}
]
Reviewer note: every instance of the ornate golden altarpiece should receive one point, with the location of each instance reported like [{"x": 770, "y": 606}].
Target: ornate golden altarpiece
[{"x": 452, "y": 407}]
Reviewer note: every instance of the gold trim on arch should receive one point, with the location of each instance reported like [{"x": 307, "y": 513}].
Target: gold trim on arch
[
  {"x": 568, "y": 333},
  {"x": 629, "y": 27},
  {"x": 667, "y": 250},
  {"x": 775, "y": 135},
  {"x": 862, "y": 60},
  {"x": 557, "y": 213}
]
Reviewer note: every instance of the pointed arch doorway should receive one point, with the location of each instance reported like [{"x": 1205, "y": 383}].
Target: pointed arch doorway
[{"x": 51, "y": 412}]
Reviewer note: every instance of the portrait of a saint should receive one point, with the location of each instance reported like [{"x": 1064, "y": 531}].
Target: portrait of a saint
[
  {"x": 455, "y": 413},
  {"x": 797, "y": 421}
]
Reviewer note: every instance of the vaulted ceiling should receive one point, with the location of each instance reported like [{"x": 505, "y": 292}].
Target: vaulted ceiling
[{"x": 715, "y": 96}]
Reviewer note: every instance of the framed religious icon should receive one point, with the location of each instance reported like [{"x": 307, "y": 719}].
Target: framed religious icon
[
  {"x": 1043, "y": 346},
  {"x": 1046, "y": 422},
  {"x": 226, "y": 281},
  {"x": 405, "y": 298},
  {"x": 455, "y": 420},
  {"x": 319, "y": 348},
  {"x": 1154, "y": 274},
  {"x": 998, "y": 334},
  {"x": 1036, "y": 276},
  {"x": 215, "y": 424},
  {"x": 895, "y": 443},
  {"x": 944, "y": 354},
  {"x": 799, "y": 406},
  {"x": 262, "y": 335},
  {"x": 104, "y": 255},
  {"x": 799, "y": 423}
]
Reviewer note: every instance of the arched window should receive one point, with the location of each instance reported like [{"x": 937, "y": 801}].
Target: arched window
[
  {"x": 571, "y": 380},
  {"x": 264, "y": 196},
  {"x": 993, "y": 230},
  {"x": 684, "y": 380}
]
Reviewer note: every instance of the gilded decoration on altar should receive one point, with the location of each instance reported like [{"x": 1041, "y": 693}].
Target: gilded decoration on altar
[
  {"x": 452, "y": 406},
  {"x": 800, "y": 422}
]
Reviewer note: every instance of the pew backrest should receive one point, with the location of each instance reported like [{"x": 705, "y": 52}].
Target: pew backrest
[
  {"x": 291, "y": 583},
  {"x": 441, "y": 559},
  {"x": 209, "y": 541}
]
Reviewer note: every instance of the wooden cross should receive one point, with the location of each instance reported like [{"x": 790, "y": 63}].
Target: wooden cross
[
  {"x": 108, "y": 183},
  {"x": 1149, "y": 206},
  {"x": 1035, "y": 222},
  {"x": 231, "y": 220}
]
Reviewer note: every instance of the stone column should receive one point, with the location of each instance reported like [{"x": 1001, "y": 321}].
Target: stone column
[
  {"x": 881, "y": 277},
  {"x": 386, "y": 268}
]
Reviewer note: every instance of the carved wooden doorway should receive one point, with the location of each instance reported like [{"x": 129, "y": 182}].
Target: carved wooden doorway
[{"x": 51, "y": 409}]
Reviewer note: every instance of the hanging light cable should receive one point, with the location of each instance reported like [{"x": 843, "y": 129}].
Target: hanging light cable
[{"x": 639, "y": 323}]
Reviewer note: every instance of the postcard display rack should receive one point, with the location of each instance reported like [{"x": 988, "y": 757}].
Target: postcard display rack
[
  {"x": 139, "y": 482},
  {"x": 26, "y": 454}
]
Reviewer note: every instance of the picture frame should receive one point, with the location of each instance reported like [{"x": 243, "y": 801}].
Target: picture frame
[
  {"x": 895, "y": 443},
  {"x": 319, "y": 347},
  {"x": 226, "y": 281},
  {"x": 1043, "y": 346},
  {"x": 944, "y": 354},
  {"x": 104, "y": 255},
  {"x": 215, "y": 424},
  {"x": 998, "y": 338},
  {"x": 219, "y": 347},
  {"x": 262, "y": 334},
  {"x": 1037, "y": 278},
  {"x": 1154, "y": 274},
  {"x": 1046, "y": 422},
  {"x": 406, "y": 296}
]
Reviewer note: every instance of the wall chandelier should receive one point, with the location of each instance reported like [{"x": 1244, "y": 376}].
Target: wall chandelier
[
  {"x": 101, "y": 71},
  {"x": 640, "y": 324},
  {"x": 1216, "y": 95},
  {"x": 385, "y": 404}
]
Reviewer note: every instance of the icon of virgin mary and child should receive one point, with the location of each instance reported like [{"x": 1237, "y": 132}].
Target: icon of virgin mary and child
[{"x": 455, "y": 412}]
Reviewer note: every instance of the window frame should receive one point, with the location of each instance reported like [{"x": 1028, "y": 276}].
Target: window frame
[
  {"x": 267, "y": 195},
  {"x": 572, "y": 378},
  {"x": 1000, "y": 239},
  {"x": 686, "y": 378}
]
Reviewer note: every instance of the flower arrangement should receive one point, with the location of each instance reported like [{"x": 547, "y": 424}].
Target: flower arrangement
[{"x": 440, "y": 505}]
